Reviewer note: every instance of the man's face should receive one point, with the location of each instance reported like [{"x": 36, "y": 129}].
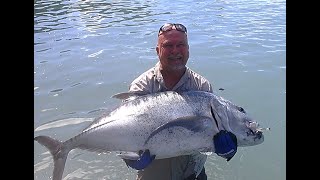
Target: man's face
[{"x": 173, "y": 50}]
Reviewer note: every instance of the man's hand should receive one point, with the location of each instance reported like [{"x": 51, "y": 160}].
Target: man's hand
[
  {"x": 141, "y": 163},
  {"x": 225, "y": 144}
]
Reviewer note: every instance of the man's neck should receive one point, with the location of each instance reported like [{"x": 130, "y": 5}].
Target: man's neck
[{"x": 172, "y": 77}]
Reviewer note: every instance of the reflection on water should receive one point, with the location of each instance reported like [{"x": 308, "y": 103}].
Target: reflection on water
[
  {"x": 86, "y": 51},
  {"x": 62, "y": 123},
  {"x": 91, "y": 16}
]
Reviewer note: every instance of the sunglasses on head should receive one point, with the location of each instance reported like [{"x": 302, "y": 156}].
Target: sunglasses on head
[{"x": 169, "y": 26}]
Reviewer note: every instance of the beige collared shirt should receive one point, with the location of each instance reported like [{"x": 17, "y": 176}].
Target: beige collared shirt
[
  {"x": 152, "y": 81},
  {"x": 176, "y": 168}
]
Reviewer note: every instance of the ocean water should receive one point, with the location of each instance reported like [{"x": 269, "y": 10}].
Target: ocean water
[{"x": 86, "y": 51}]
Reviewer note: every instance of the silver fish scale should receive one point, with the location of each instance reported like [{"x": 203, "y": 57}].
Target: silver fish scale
[
  {"x": 139, "y": 114},
  {"x": 168, "y": 124}
]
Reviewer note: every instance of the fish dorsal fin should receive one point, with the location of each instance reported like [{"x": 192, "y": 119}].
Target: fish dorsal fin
[
  {"x": 125, "y": 95},
  {"x": 192, "y": 123}
]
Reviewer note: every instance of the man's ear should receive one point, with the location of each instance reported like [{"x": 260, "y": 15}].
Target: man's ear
[{"x": 157, "y": 49}]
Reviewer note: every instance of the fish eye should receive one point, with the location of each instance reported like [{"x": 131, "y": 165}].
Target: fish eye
[{"x": 241, "y": 110}]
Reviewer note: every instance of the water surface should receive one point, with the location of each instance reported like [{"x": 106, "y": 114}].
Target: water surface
[{"x": 86, "y": 51}]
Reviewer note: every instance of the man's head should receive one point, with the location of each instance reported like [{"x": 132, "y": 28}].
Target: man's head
[{"x": 173, "y": 47}]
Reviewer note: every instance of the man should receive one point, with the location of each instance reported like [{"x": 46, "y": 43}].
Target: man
[{"x": 170, "y": 74}]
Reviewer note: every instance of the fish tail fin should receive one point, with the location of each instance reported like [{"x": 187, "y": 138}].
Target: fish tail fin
[{"x": 59, "y": 153}]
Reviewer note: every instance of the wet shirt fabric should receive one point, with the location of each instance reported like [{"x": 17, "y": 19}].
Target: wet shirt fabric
[{"x": 176, "y": 168}]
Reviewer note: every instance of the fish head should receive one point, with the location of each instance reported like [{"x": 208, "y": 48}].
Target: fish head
[
  {"x": 245, "y": 128},
  {"x": 236, "y": 120}
]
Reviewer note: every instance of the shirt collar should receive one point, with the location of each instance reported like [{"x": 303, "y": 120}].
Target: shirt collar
[{"x": 159, "y": 76}]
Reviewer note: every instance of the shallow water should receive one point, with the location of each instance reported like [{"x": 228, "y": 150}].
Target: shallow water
[{"x": 86, "y": 51}]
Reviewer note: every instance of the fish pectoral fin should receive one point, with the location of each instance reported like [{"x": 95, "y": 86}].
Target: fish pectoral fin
[
  {"x": 125, "y": 95},
  {"x": 192, "y": 123},
  {"x": 128, "y": 155}
]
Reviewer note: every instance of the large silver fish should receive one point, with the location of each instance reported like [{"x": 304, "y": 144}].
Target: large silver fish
[{"x": 167, "y": 123}]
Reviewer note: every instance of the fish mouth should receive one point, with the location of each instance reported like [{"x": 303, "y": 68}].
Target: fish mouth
[
  {"x": 255, "y": 131},
  {"x": 255, "y": 135},
  {"x": 258, "y": 135}
]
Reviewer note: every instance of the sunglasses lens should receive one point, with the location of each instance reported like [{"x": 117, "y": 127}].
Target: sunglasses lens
[
  {"x": 181, "y": 27},
  {"x": 166, "y": 27},
  {"x": 169, "y": 26}
]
